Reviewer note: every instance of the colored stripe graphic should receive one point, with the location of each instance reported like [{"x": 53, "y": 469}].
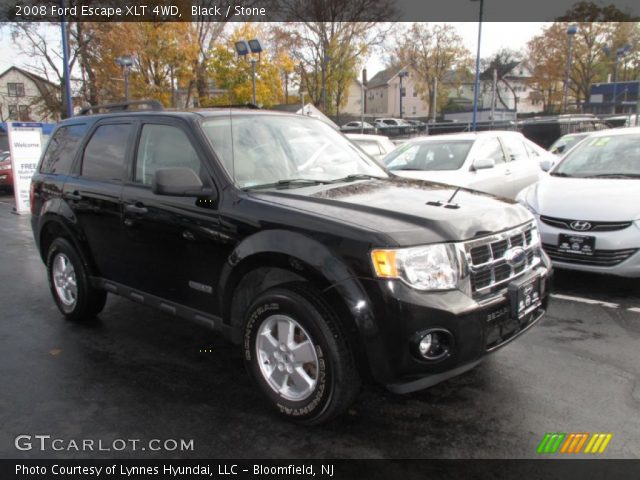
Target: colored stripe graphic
[
  {"x": 551, "y": 442},
  {"x": 573, "y": 443}
]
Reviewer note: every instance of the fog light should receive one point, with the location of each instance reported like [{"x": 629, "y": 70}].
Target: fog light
[{"x": 435, "y": 344}]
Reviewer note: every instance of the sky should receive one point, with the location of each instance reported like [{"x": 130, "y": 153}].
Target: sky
[{"x": 495, "y": 35}]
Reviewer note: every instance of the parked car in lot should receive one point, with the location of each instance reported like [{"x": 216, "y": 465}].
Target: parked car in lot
[
  {"x": 420, "y": 125},
  {"x": 358, "y": 127},
  {"x": 394, "y": 126},
  {"x": 377, "y": 146},
  {"x": 278, "y": 232},
  {"x": 588, "y": 207},
  {"x": 6, "y": 172},
  {"x": 497, "y": 162},
  {"x": 567, "y": 142}
]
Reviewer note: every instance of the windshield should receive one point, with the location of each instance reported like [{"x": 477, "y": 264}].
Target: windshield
[
  {"x": 603, "y": 156},
  {"x": 260, "y": 150},
  {"x": 432, "y": 155},
  {"x": 564, "y": 144}
]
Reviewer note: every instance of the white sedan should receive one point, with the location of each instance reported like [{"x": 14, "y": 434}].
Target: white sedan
[
  {"x": 377, "y": 146},
  {"x": 498, "y": 162},
  {"x": 588, "y": 207}
]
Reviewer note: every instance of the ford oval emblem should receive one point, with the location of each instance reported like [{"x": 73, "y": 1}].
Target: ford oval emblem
[
  {"x": 515, "y": 257},
  {"x": 580, "y": 225}
]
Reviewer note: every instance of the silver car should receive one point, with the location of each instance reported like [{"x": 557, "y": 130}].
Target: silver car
[
  {"x": 377, "y": 146},
  {"x": 588, "y": 207},
  {"x": 497, "y": 162}
]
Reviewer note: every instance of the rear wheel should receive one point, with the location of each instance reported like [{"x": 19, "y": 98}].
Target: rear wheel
[
  {"x": 69, "y": 283},
  {"x": 297, "y": 355}
]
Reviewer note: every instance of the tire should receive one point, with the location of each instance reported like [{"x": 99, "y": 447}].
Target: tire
[
  {"x": 64, "y": 268},
  {"x": 312, "y": 343}
]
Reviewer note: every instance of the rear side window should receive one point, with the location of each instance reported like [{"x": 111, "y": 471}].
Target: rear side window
[
  {"x": 104, "y": 155},
  {"x": 62, "y": 149}
]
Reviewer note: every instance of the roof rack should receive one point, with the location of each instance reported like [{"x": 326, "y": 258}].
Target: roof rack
[
  {"x": 118, "y": 107},
  {"x": 251, "y": 106}
]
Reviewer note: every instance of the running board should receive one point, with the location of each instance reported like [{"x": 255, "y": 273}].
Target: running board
[{"x": 205, "y": 319}]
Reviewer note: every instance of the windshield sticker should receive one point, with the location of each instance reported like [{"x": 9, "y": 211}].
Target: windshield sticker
[{"x": 599, "y": 142}]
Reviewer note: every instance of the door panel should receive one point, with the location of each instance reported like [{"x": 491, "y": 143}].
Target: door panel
[
  {"x": 494, "y": 180},
  {"x": 174, "y": 245},
  {"x": 95, "y": 195},
  {"x": 524, "y": 169}
]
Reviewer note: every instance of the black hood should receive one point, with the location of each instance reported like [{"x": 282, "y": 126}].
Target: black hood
[{"x": 409, "y": 211}]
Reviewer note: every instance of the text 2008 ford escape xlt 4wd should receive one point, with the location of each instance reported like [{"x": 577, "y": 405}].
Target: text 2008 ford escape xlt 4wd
[{"x": 276, "y": 231}]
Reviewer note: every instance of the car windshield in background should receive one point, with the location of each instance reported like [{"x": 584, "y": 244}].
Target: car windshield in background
[
  {"x": 615, "y": 156},
  {"x": 431, "y": 155},
  {"x": 283, "y": 150},
  {"x": 564, "y": 144}
]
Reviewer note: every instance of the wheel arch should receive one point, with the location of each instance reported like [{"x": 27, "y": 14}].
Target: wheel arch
[{"x": 271, "y": 258}]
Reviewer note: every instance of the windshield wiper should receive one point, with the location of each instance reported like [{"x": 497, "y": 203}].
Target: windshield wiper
[
  {"x": 287, "y": 183},
  {"x": 354, "y": 177},
  {"x": 559, "y": 174},
  {"x": 614, "y": 175}
]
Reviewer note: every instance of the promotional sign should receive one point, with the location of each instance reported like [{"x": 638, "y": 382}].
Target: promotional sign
[{"x": 25, "y": 144}]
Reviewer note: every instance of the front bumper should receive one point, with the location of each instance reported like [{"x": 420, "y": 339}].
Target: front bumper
[
  {"x": 478, "y": 329},
  {"x": 620, "y": 244}
]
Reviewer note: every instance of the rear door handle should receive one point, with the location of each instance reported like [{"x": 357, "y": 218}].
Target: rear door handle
[
  {"x": 138, "y": 208},
  {"x": 75, "y": 196}
]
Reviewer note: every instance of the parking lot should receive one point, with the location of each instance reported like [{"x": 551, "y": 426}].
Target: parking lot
[{"x": 137, "y": 373}]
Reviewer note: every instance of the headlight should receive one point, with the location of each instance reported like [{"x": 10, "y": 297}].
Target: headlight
[
  {"x": 430, "y": 267},
  {"x": 5, "y": 167}
]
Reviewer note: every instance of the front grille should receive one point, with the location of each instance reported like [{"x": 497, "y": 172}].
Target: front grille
[
  {"x": 600, "y": 258},
  {"x": 565, "y": 223},
  {"x": 489, "y": 269}
]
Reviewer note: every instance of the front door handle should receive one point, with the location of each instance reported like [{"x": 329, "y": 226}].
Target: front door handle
[
  {"x": 75, "y": 196},
  {"x": 139, "y": 208}
]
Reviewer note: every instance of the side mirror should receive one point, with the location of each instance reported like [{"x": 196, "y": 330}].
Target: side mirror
[
  {"x": 483, "y": 163},
  {"x": 546, "y": 164},
  {"x": 178, "y": 182}
]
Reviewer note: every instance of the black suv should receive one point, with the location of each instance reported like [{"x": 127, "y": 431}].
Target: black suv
[{"x": 276, "y": 231}]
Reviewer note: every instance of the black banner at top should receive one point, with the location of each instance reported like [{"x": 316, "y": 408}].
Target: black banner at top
[{"x": 318, "y": 10}]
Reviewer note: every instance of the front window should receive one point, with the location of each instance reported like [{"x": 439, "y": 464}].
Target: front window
[
  {"x": 614, "y": 156},
  {"x": 261, "y": 150},
  {"x": 432, "y": 155}
]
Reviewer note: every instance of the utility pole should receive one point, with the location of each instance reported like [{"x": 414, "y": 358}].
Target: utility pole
[
  {"x": 435, "y": 99},
  {"x": 65, "y": 67},
  {"x": 571, "y": 31},
  {"x": 494, "y": 86}
]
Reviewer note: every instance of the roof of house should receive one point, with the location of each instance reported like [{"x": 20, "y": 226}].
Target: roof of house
[
  {"x": 502, "y": 70},
  {"x": 43, "y": 85},
  {"x": 383, "y": 77}
]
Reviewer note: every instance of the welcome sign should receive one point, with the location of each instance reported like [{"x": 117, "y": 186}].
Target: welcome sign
[{"x": 25, "y": 144}]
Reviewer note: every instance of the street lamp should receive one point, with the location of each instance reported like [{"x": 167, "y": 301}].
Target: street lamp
[
  {"x": 125, "y": 62},
  {"x": 620, "y": 52},
  {"x": 477, "y": 79},
  {"x": 571, "y": 31},
  {"x": 243, "y": 48},
  {"x": 401, "y": 75}
]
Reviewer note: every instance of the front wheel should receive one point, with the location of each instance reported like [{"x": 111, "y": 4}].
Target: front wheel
[
  {"x": 297, "y": 355},
  {"x": 69, "y": 283}
]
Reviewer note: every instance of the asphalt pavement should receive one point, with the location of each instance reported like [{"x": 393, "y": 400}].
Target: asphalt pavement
[{"x": 137, "y": 373}]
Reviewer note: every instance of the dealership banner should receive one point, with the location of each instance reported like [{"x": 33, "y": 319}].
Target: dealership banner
[
  {"x": 319, "y": 469},
  {"x": 25, "y": 145}
]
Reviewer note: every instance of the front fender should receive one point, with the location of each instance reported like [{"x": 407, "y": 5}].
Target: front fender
[{"x": 336, "y": 276}]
